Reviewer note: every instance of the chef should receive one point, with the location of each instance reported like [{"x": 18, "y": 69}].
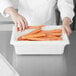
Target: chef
[{"x": 39, "y": 12}]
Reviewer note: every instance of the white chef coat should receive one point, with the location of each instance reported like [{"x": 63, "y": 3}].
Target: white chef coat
[{"x": 41, "y": 12}]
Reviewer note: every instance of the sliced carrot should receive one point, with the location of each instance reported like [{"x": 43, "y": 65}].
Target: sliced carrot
[
  {"x": 34, "y": 27},
  {"x": 53, "y": 31},
  {"x": 57, "y": 34},
  {"x": 20, "y": 39},
  {"x": 39, "y": 39},
  {"x": 56, "y": 31},
  {"x": 34, "y": 35},
  {"x": 49, "y": 33},
  {"x": 52, "y": 37},
  {"x": 55, "y": 38},
  {"x": 33, "y": 32},
  {"x": 31, "y": 27}
]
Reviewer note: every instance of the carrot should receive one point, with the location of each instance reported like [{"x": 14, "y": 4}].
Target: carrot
[
  {"x": 56, "y": 31},
  {"x": 21, "y": 39},
  {"x": 39, "y": 39},
  {"x": 57, "y": 34},
  {"x": 33, "y": 32},
  {"x": 56, "y": 38},
  {"x": 34, "y": 35},
  {"x": 44, "y": 39},
  {"x": 34, "y": 27},
  {"x": 31, "y": 27},
  {"x": 52, "y": 37},
  {"x": 53, "y": 31}
]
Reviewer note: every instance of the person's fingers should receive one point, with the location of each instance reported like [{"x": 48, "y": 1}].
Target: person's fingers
[
  {"x": 70, "y": 31},
  {"x": 26, "y": 23},
  {"x": 16, "y": 24},
  {"x": 23, "y": 24},
  {"x": 67, "y": 30},
  {"x": 20, "y": 22},
  {"x": 20, "y": 26},
  {"x": 64, "y": 29}
]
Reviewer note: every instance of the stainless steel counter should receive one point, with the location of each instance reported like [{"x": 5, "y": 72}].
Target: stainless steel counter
[{"x": 40, "y": 65}]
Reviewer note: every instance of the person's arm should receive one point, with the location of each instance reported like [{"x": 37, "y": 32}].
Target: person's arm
[
  {"x": 7, "y": 9},
  {"x": 19, "y": 20},
  {"x": 66, "y": 8}
]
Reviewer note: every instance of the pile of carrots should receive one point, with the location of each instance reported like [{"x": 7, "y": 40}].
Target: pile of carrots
[{"x": 41, "y": 35}]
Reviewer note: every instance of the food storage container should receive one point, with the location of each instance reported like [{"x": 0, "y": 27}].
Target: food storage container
[{"x": 39, "y": 47}]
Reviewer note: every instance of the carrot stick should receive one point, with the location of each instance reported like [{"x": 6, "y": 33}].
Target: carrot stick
[
  {"x": 53, "y": 31},
  {"x": 33, "y": 32},
  {"x": 39, "y": 39},
  {"x": 20, "y": 39},
  {"x": 31, "y": 27},
  {"x": 56, "y": 34},
  {"x": 49, "y": 33},
  {"x": 55, "y": 38},
  {"x": 34, "y": 27},
  {"x": 34, "y": 35},
  {"x": 56, "y": 31}
]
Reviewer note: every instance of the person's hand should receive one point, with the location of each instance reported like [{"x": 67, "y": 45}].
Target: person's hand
[
  {"x": 19, "y": 21},
  {"x": 66, "y": 25},
  {"x": 67, "y": 29}
]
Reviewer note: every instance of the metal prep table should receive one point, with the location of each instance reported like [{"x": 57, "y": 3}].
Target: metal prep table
[{"x": 40, "y": 65}]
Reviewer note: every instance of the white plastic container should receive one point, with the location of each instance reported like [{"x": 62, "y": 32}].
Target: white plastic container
[
  {"x": 39, "y": 47},
  {"x": 6, "y": 69}
]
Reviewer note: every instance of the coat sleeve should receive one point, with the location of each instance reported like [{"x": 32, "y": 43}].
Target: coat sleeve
[
  {"x": 3, "y": 5},
  {"x": 66, "y": 8}
]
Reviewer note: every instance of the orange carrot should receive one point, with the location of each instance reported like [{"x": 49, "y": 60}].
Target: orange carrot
[
  {"x": 55, "y": 38},
  {"x": 57, "y": 34},
  {"x": 20, "y": 39},
  {"x": 33, "y": 32},
  {"x": 34, "y": 35},
  {"x": 34, "y": 27},
  {"x": 56, "y": 31},
  {"x": 39, "y": 39},
  {"x": 53, "y": 31},
  {"x": 49, "y": 33},
  {"x": 31, "y": 27}
]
